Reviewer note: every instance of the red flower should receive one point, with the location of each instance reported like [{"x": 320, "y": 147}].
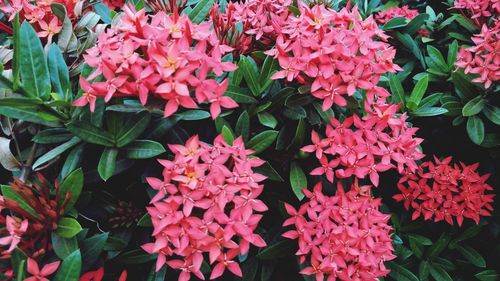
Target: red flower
[
  {"x": 343, "y": 236},
  {"x": 444, "y": 191},
  {"x": 384, "y": 16}
]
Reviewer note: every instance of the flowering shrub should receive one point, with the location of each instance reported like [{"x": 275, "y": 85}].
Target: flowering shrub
[
  {"x": 345, "y": 235},
  {"x": 211, "y": 196},
  {"x": 443, "y": 191},
  {"x": 136, "y": 138}
]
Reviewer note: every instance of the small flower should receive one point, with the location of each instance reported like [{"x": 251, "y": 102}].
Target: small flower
[
  {"x": 385, "y": 16},
  {"x": 40, "y": 275}
]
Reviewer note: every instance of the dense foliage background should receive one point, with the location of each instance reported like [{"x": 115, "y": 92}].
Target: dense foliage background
[{"x": 102, "y": 158}]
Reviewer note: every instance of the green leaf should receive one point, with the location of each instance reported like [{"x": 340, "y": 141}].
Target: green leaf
[
  {"x": 277, "y": 250},
  {"x": 250, "y": 75},
  {"x": 394, "y": 23},
  {"x": 298, "y": 180},
  {"x": 423, "y": 270},
  {"x": 422, "y": 240},
  {"x": 50, "y": 136},
  {"x": 107, "y": 163},
  {"x": 411, "y": 45},
  {"x": 33, "y": 114},
  {"x": 418, "y": 92},
  {"x": 267, "y": 170},
  {"x": 70, "y": 268},
  {"x": 33, "y": 66},
  {"x": 145, "y": 221},
  {"x": 415, "y": 24},
  {"x": 454, "y": 108},
  {"x": 73, "y": 160},
  {"x": 474, "y": 106},
  {"x": 437, "y": 59},
  {"x": 400, "y": 273},
  {"x": 18, "y": 258},
  {"x": 243, "y": 125},
  {"x": 20, "y": 273},
  {"x": 227, "y": 135},
  {"x": 72, "y": 184},
  {"x": 16, "y": 60},
  {"x": 269, "y": 66},
  {"x": 430, "y": 100},
  {"x": 9, "y": 194},
  {"x": 467, "y": 23},
  {"x": 398, "y": 93},
  {"x": 465, "y": 89},
  {"x": 200, "y": 11},
  {"x": 472, "y": 255},
  {"x": 66, "y": 39},
  {"x": 492, "y": 113},
  {"x": 439, "y": 273},
  {"x": 68, "y": 227},
  {"x": 262, "y": 141},
  {"x": 59, "y": 75},
  {"x": 55, "y": 152},
  {"x": 452, "y": 54},
  {"x": 438, "y": 247},
  {"x": 91, "y": 133},
  {"x": 267, "y": 120},
  {"x": 64, "y": 246},
  {"x": 475, "y": 129},
  {"x": 192, "y": 115},
  {"x": 137, "y": 256},
  {"x": 133, "y": 129},
  {"x": 239, "y": 95},
  {"x": 429, "y": 111},
  {"x": 294, "y": 10},
  {"x": 91, "y": 249},
  {"x": 488, "y": 275},
  {"x": 143, "y": 149}
]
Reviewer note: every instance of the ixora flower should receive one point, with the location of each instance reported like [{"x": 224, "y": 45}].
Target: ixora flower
[
  {"x": 31, "y": 222},
  {"x": 483, "y": 59},
  {"x": 480, "y": 10},
  {"x": 337, "y": 53},
  {"x": 365, "y": 146},
  {"x": 160, "y": 55},
  {"x": 444, "y": 191},
  {"x": 206, "y": 203},
  {"x": 41, "y": 275},
  {"x": 40, "y": 14},
  {"x": 343, "y": 236},
  {"x": 98, "y": 275},
  {"x": 395, "y": 12}
]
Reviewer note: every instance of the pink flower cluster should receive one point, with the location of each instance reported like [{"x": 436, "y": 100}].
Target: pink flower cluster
[
  {"x": 40, "y": 15},
  {"x": 385, "y": 16},
  {"x": 165, "y": 56},
  {"x": 442, "y": 191},
  {"x": 365, "y": 146},
  {"x": 480, "y": 10},
  {"x": 206, "y": 203},
  {"x": 344, "y": 235},
  {"x": 334, "y": 52},
  {"x": 114, "y": 4},
  {"x": 482, "y": 59}
]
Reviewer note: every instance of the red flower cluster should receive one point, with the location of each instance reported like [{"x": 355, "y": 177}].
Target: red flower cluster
[
  {"x": 335, "y": 52},
  {"x": 344, "y": 235},
  {"x": 206, "y": 203},
  {"x": 443, "y": 191},
  {"x": 483, "y": 59},
  {"x": 40, "y": 15},
  {"x": 385, "y": 16},
  {"x": 481, "y": 10},
  {"x": 98, "y": 275},
  {"x": 29, "y": 226},
  {"x": 365, "y": 146},
  {"x": 114, "y": 4},
  {"x": 167, "y": 56}
]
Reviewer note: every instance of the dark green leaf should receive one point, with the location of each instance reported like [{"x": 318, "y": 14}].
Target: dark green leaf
[
  {"x": 474, "y": 106},
  {"x": 492, "y": 113},
  {"x": 395, "y": 23},
  {"x": 298, "y": 180},
  {"x": 267, "y": 170},
  {"x": 59, "y": 75},
  {"x": 72, "y": 184},
  {"x": 243, "y": 125},
  {"x": 50, "y": 136},
  {"x": 472, "y": 255},
  {"x": 145, "y": 221},
  {"x": 227, "y": 135},
  {"x": 475, "y": 129},
  {"x": 143, "y": 149},
  {"x": 91, "y": 133},
  {"x": 438, "y": 247},
  {"x": 200, "y": 11},
  {"x": 279, "y": 249},
  {"x": 240, "y": 95},
  {"x": 91, "y": 249},
  {"x": 262, "y": 141},
  {"x": 135, "y": 257},
  {"x": 398, "y": 93},
  {"x": 250, "y": 75},
  {"x": 64, "y": 246},
  {"x": 9, "y": 194},
  {"x": 33, "y": 66},
  {"x": 267, "y": 120},
  {"x": 55, "y": 152},
  {"x": 423, "y": 270},
  {"x": 400, "y": 273},
  {"x": 73, "y": 160},
  {"x": 107, "y": 163},
  {"x": 418, "y": 92},
  {"x": 70, "y": 268},
  {"x": 415, "y": 24},
  {"x": 488, "y": 275},
  {"x": 192, "y": 115},
  {"x": 429, "y": 111},
  {"x": 132, "y": 129},
  {"x": 439, "y": 273}
]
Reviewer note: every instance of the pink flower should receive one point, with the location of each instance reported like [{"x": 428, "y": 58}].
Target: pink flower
[
  {"x": 207, "y": 202},
  {"x": 343, "y": 236},
  {"x": 40, "y": 275},
  {"x": 88, "y": 96},
  {"x": 48, "y": 30},
  {"x": 480, "y": 10},
  {"x": 385, "y": 16},
  {"x": 444, "y": 191},
  {"x": 337, "y": 53},
  {"x": 364, "y": 147},
  {"x": 16, "y": 229},
  {"x": 159, "y": 56},
  {"x": 483, "y": 59}
]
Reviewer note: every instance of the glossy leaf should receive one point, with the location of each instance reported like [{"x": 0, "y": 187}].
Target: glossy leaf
[
  {"x": 68, "y": 227},
  {"x": 262, "y": 141},
  {"x": 298, "y": 180},
  {"x": 143, "y": 149},
  {"x": 107, "y": 163},
  {"x": 70, "y": 268},
  {"x": 475, "y": 129}
]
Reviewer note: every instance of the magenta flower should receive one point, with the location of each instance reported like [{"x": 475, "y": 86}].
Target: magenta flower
[{"x": 384, "y": 16}]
